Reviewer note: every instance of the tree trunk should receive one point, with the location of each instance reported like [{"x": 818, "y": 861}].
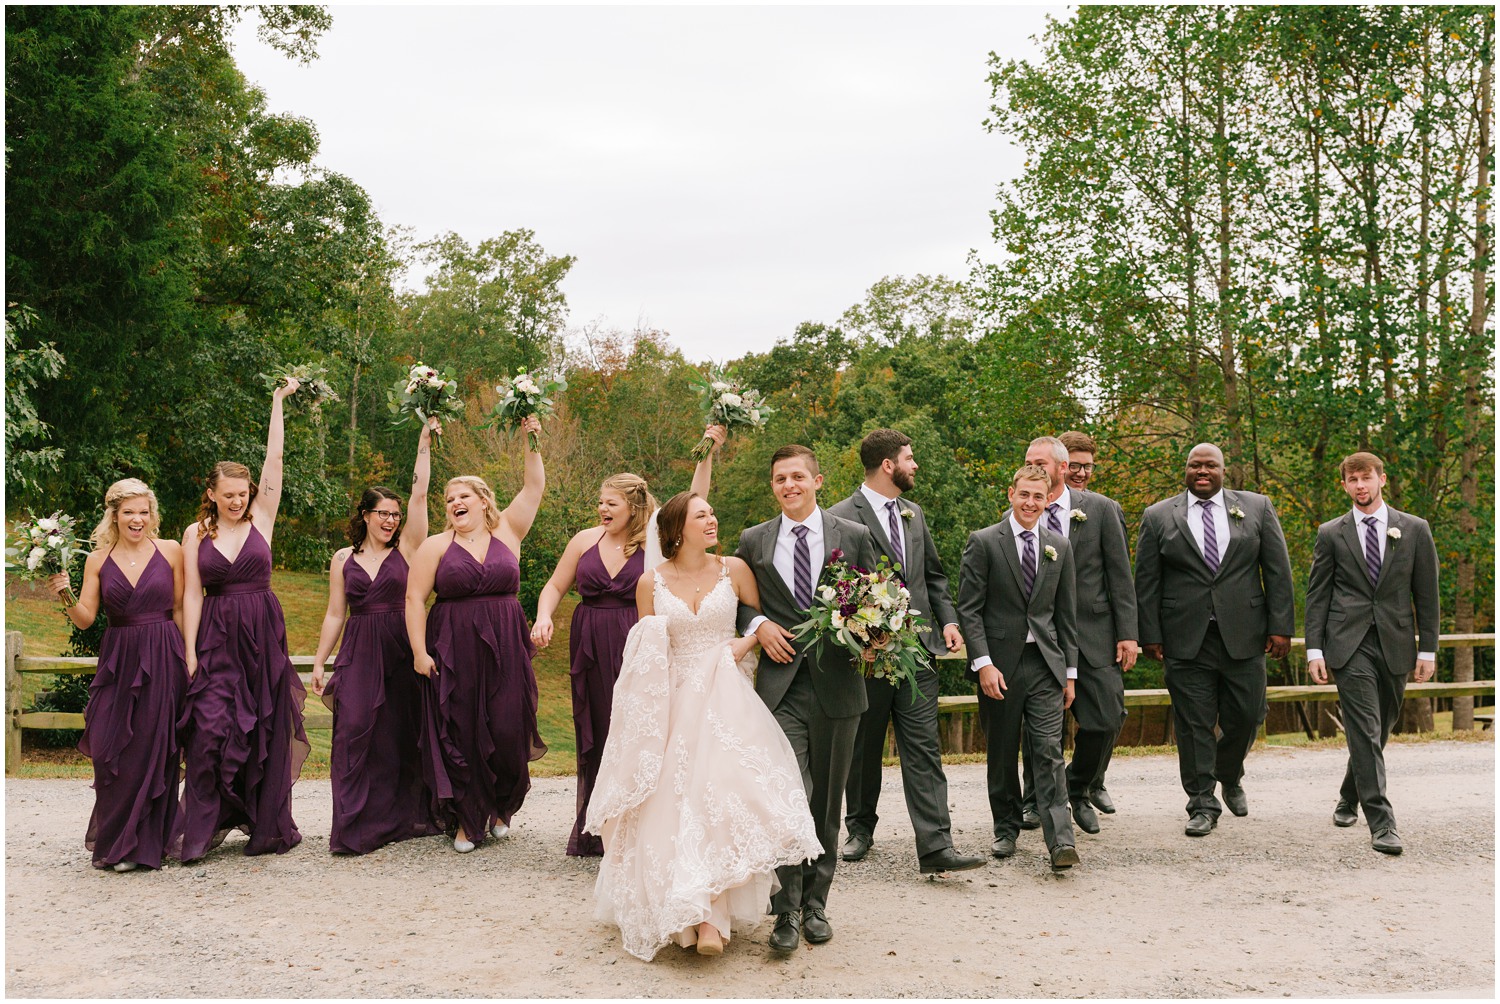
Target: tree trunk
[{"x": 1235, "y": 440}]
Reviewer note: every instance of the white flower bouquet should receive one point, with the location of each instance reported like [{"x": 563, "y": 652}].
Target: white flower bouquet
[
  {"x": 425, "y": 394},
  {"x": 523, "y": 396},
  {"x": 729, "y": 403},
  {"x": 42, "y": 547},
  {"x": 315, "y": 390},
  {"x": 869, "y": 613}
]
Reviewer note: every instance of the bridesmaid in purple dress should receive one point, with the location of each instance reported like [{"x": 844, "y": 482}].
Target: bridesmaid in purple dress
[
  {"x": 475, "y": 646},
  {"x": 379, "y": 794},
  {"x": 130, "y": 725},
  {"x": 605, "y": 562},
  {"x": 242, "y": 728}
]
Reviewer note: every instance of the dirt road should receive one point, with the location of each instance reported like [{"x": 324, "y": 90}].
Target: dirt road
[{"x": 1279, "y": 903}]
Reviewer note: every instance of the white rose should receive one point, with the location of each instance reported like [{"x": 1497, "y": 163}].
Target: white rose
[
  {"x": 897, "y": 619},
  {"x": 411, "y": 387},
  {"x": 755, "y": 414},
  {"x": 47, "y": 523},
  {"x": 434, "y": 381},
  {"x": 826, "y": 592},
  {"x": 838, "y": 619},
  {"x": 527, "y": 387},
  {"x": 35, "y": 558},
  {"x": 732, "y": 400},
  {"x": 719, "y": 386}
]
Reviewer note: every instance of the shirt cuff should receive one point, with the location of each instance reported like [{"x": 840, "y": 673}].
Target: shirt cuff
[
  {"x": 755, "y": 622},
  {"x": 1314, "y": 653},
  {"x": 1072, "y": 672},
  {"x": 1427, "y": 657},
  {"x": 981, "y": 662}
]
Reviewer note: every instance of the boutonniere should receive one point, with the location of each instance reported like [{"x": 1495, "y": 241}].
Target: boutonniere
[
  {"x": 1050, "y": 552},
  {"x": 1078, "y": 516},
  {"x": 1394, "y": 533},
  {"x": 1236, "y": 512},
  {"x": 908, "y": 514}
]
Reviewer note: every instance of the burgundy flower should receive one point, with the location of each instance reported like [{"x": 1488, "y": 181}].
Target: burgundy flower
[{"x": 836, "y": 554}]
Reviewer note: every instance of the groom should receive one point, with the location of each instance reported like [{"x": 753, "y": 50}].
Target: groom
[{"x": 816, "y": 699}]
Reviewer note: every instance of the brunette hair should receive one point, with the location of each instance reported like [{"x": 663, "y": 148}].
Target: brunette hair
[
  {"x": 1079, "y": 441},
  {"x": 358, "y": 529},
  {"x": 107, "y": 533},
  {"x": 671, "y": 519},
  {"x": 208, "y": 512},
  {"x": 632, "y": 488},
  {"x": 880, "y": 446},
  {"x": 1361, "y": 462},
  {"x": 1032, "y": 472},
  {"x": 795, "y": 450},
  {"x": 486, "y": 498}
]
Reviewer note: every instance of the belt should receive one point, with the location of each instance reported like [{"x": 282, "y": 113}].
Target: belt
[
  {"x": 481, "y": 598},
  {"x": 236, "y": 588},
  {"x": 365, "y": 609},
  {"x": 140, "y": 620},
  {"x": 608, "y": 603}
]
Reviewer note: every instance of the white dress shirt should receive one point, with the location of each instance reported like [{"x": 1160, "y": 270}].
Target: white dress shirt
[
  {"x": 1064, "y": 513},
  {"x": 877, "y": 503},
  {"x": 1221, "y": 522},
  {"x": 784, "y": 559},
  {"x": 1382, "y": 528},
  {"x": 1036, "y": 543}
]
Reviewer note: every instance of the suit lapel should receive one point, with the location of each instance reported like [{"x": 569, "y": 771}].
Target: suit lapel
[
  {"x": 1393, "y": 521},
  {"x": 768, "y": 561},
  {"x": 1007, "y": 542},
  {"x": 1180, "y": 517},
  {"x": 868, "y": 517},
  {"x": 1231, "y": 502},
  {"x": 833, "y": 540},
  {"x": 1349, "y": 533}
]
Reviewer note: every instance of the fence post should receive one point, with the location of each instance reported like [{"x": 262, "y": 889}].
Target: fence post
[{"x": 13, "y": 643}]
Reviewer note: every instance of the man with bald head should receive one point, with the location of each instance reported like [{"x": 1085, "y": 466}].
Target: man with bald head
[{"x": 1214, "y": 586}]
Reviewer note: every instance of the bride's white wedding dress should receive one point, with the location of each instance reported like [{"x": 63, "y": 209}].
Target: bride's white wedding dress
[{"x": 699, "y": 798}]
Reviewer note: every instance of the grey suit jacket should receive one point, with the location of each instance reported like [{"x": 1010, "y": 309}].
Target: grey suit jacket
[
  {"x": 839, "y": 687},
  {"x": 923, "y": 572},
  {"x": 1251, "y": 596},
  {"x": 994, "y": 615},
  {"x": 1342, "y": 604}
]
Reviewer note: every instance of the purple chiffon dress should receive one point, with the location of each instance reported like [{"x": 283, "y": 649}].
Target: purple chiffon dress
[
  {"x": 596, "y": 647},
  {"x": 130, "y": 725},
  {"x": 379, "y": 795},
  {"x": 486, "y": 689},
  {"x": 242, "y": 728}
]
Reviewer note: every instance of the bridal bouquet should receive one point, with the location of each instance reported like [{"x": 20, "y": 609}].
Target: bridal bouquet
[
  {"x": 315, "y": 390},
  {"x": 870, "y": 614},
  {"x": 524, "y": 396},
  {"x": 425, "y": 394},
  {"x": 730, "y": 404},
  {"x": 42, "y": 547}
]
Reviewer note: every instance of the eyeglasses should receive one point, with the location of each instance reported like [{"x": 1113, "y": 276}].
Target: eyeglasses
[
  {"x": 386, "y": 516},
  {"x": 1077, "y": 468}
]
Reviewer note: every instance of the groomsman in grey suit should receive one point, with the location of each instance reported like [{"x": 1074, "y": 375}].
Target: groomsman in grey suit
[
  {"x": 1016, "y": 606},
  {"x": 900, "y": 531},
  {"x": 1214, "y": 584},
  {"x": 1082, "y": 454},
  {"x": 817, "y": 700},
  {"x": 1373, "y": 568},
  {"x": 1095, "y": 527}
]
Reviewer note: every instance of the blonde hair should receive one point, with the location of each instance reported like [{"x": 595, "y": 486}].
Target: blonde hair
[
  {"x": 107, "y": 533},
  {"x": 1032, "y": 472},
  {"x": 632, "y": 488},
  {"x": 486, "y": 499}
]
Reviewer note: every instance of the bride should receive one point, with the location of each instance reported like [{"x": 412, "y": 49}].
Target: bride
[{"x": 699, "y": 797}]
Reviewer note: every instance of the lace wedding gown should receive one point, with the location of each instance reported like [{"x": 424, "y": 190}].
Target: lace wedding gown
[{"x": 699, "y": 797}]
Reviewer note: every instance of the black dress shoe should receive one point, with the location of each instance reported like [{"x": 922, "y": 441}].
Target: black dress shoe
[
  {"x": 1102, "y": 801},
  {"x": 787, "y": 934},
  {"x": 1200, "y": 825},
  {"x": 949, "y": 860},
  {"x": 1083, "y": 815},
  {"x": 1064, "y": 856},
  {"x": 815, "y": 926},
  {"x": 1029, "y": 819},
  {"x": 1003, "y": 847},
  {"x": 1386, "y": 842},
  {"x": 1234, "y": 797},
  {"x": 1345, "y": 814},
  {"x": 856, "y": 847}
]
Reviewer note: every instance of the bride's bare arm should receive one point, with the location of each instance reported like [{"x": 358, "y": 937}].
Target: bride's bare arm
[
  {"x": 743, "y": 580},
  {"x": 645, "y": 598}
]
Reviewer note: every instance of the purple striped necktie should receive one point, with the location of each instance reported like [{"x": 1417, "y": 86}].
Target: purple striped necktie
[
  {"x": 1028, "y": 562},
  {"x": 1372, "y": 550},
  {"x": 802, "y": 568},
  {"x": 1054, "y": 523},
  {"x": 1210, "y": 537},
  {"x": 898, "y": 554}
]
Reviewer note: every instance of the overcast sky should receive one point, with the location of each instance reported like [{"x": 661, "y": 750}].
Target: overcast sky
[{"x": 720, "y": 173}]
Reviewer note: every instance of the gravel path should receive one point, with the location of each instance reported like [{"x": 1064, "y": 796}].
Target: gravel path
[{"x": 1276, "y": 904}]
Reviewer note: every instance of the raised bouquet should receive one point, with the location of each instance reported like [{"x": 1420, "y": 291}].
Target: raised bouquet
[
  {"x": 315, "y": 390},
  {"x": 425, "y": 394},
  {"x": 728, "y": 403},
  {"x": 523, "y": 396},
  {"x": 42, "y": 547},
  {"x": 869, "y": 613}
]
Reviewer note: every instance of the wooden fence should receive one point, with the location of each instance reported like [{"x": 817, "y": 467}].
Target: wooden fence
[{"x": 958, "y": 725}]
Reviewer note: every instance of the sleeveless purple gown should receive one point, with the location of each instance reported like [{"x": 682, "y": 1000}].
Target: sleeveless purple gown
[
  {"x": 486, "y": 689},
  {"x": 242, "y": 729},
  {"x": 596, "y": 647},
  {"x": 379, "y": 795},
  {"x": 130, "y": 724}
]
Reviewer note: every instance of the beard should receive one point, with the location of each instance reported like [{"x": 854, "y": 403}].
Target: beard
[{"x": 903, "y": 480}]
